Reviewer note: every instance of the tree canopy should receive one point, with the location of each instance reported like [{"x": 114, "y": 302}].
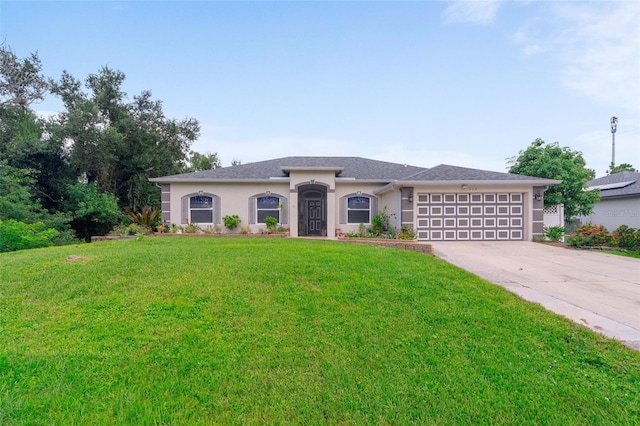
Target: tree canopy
[
  {"x": 21, "y": 81},
  {"x": 624, "y": 167},
  {"x": 119, "y": 144},
  {"x": 554, "y": 162},
  {"x": 79, "y": 169}
]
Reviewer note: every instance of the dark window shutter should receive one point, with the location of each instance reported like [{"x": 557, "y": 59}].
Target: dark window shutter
[
  {"x": 284, "y": 212},
  {"x": 342, "y": 206},
  {"x": 216, "y": 209},
  {"x": 374, "y": 206},
  {"x": 184, "y": 217},
  {"x": 252, "y": 210}
]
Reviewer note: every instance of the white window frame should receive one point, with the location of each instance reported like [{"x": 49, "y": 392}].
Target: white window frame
[
  {"x": 192, "y": 209},
  {"x": 258, "y": 209},
  {"x": 349, "y": 209}
]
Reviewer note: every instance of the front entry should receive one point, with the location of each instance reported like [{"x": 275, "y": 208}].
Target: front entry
[
  {"x": 314, "y": 217},
  {"x": 312, "y": 211}
]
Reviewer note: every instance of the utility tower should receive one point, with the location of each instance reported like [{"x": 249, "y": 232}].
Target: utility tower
[{"x": 614, "y": 127}]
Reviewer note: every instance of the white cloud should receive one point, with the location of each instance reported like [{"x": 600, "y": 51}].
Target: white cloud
[
  {"x": 472, "y": 11},
  {"x": 532, "y": 49},
  {"x": 601, "y": 51}
]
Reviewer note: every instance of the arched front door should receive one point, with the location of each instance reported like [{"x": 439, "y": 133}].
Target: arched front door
[{"x": 312, "y": 208}]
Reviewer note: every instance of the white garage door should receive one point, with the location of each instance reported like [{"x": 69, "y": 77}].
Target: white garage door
[{"x": 475, "y": 216}]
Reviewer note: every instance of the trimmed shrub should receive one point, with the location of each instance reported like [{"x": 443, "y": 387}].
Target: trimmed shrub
[{"x": 231, "y": 222}]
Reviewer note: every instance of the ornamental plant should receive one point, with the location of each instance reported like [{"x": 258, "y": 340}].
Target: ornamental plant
[
  {"x": 271, "y": 223},
  {"x": 231, "y": 222},
  {"x": 590, "y": 235},
  {"x": 627, "y": 238},
  {"x": 554, "y": 233}
]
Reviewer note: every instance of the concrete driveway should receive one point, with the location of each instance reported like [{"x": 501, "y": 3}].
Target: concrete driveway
[{"x": 598, "y": 290}]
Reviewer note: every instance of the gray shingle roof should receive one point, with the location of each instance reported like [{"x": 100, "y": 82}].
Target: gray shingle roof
[
  {"x": 444, "y": 172},
  {"x": 352, "y": 167},
  {"x": 347, "y": 167},
  {"x": 629, "y": 190}
]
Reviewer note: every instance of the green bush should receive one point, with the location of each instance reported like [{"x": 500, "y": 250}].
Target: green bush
[
  {"x": 231, "y": 222},
  {"x": 406, "y": 233},
  {"x": 271, "y": 223},
  {"x": 554, "y": 233},
  {"x": 627, "y": 238},
  {"x": 380, "y": 223},
  {"x": 590, "y": 235},
  {"x": 16, "y": 235}
]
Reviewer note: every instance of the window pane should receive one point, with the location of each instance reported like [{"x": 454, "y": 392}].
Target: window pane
[
  {"x": 201, "y": 202},
  {"x": 262, "y": 215},
  {"x": 268, "y": 202},
  {"x": 202, "y": 216},
  {"x": 359, "y": 203},
  {"x": 358, "y": 216}
]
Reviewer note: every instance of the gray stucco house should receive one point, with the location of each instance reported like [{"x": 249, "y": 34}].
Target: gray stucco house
[
  {"x": 325, "y": 196},
  {"x": 619, "y": 201}
]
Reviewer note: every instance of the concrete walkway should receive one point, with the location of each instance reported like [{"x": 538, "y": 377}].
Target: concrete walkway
[{"x": 598, "y": 290}]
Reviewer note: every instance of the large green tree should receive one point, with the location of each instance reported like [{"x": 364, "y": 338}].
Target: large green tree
[
  {"x": 555, "y": 162},
  {"x": 21, "y": 80},
  {"x": 624, "y": 167},
  {"x": 119, "y": 144},
  {"x": 197, "y": 162},
  {"x": 33, "y": 172}
]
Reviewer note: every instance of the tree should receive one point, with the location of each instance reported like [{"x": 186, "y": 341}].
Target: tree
[
  {"x": 197, "y": 162},
  {"x": 624, "y": 167},
  {"x": 116, "y": 144},
  {"x": 93, "y": 213},
  {"x": 21, "y": 82},
  {"x": 554, "y": 162}
]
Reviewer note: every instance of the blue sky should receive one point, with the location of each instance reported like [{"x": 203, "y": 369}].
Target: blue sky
[{"x": 467, "y": 83}]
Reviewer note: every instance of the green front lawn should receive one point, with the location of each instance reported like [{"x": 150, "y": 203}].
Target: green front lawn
[{"x": 253, "y": 331}]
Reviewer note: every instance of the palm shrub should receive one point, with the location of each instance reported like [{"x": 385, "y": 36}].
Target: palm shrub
[
  {"x": 147, "y": 216},
  {"x": 554, "y": 233}
]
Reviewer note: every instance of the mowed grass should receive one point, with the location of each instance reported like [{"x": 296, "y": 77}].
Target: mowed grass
[{"x": 281, "y": 331}]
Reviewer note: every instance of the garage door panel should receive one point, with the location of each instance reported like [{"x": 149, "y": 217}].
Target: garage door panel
[{"x": 479, "y": 216}]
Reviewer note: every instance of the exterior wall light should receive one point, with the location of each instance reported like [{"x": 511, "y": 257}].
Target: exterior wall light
[
  {"x": 537, "y": 196},
  {"x": 410, "y": 196}
]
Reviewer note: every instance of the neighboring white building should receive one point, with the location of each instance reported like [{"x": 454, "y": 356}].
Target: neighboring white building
[{"x": 619, "y": 201}]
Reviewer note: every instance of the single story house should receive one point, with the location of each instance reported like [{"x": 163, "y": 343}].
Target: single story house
[
  {"x": 326, "y": 196},
  {"x": 619, "y": 201}
]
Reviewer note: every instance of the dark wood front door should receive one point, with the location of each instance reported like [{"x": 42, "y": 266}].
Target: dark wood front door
[{"x": 314, "y": 217}]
